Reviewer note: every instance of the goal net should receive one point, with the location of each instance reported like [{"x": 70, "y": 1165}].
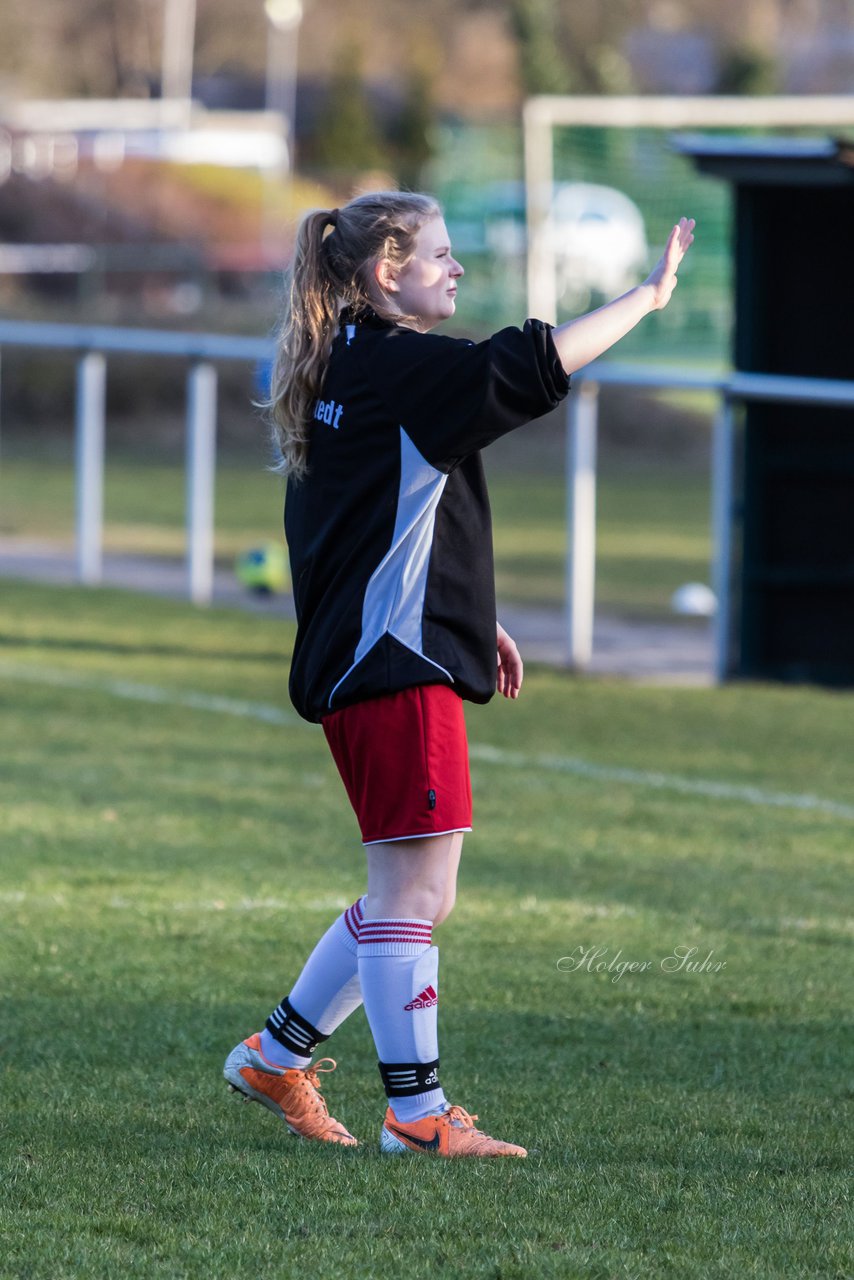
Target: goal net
[{"x": 605, "y": 181}]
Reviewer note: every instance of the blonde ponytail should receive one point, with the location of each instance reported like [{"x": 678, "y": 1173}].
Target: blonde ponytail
[{"x": 329, "y": 272}]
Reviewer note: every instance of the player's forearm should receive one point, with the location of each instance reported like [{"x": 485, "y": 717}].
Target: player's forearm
[{"x": 582, "y": 340}]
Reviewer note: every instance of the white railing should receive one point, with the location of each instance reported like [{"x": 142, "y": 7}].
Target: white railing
[
  {"x": 732, "y": 388},
  {"x": 94, "y": 343}
]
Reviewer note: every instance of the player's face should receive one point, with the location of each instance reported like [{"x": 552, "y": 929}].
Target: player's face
[{"x": 427, "y": 286}]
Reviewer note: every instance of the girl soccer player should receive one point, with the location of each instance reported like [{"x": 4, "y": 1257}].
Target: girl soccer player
[{"x": 380, "y": 423}]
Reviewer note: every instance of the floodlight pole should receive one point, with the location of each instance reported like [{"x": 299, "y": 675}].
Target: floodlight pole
[
  {"x": 179, "y": 33},
  {"x": 284, "y": 17}
]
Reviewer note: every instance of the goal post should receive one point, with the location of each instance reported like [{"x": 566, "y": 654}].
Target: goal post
[
  {"x": 597, "y": 172},
  {"x": 543, "y": 114}
]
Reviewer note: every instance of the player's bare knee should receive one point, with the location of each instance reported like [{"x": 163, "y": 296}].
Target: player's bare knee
[
  {"x": 447, "y": 906},
  {"x": 433, "y": 905},
  {"x": 415, "y": 902}
]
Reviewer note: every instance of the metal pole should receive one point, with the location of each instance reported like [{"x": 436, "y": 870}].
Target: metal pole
[
  {"x": 722, "y": 512},
  {"x": 581, "y": 522},
  {"x": 89, "y": 466},
  {"x": 539, "y": 183},
  {"x": 201, "y": 472},
  {"x": 179, "y": 31}
]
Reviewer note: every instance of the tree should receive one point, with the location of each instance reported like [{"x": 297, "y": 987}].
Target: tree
[
  {"x": 412, "y": 131},
  {"x": 541, "y": 64},
  {"x": 347, "y": 140},
  {"x": 746, "y": 71}
]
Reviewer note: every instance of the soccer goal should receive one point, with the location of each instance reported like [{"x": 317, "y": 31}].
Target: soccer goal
[
  {"x": 605, "y": 179},
  {"x": 604, "y": 182}
]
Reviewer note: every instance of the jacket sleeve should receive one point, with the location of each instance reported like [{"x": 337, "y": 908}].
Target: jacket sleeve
[{"x": 454, "y": 397}]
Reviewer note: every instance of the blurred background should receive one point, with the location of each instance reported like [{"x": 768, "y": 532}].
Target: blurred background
[{"x": 155, "y": 157}]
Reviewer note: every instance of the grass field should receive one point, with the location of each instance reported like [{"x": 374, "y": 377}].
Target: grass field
[
  {"x": 173, "y": 842},
  {"x": 653, "y": 532}
]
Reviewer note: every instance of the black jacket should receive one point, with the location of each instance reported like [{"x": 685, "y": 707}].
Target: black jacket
[{"x": 390, "y": 535}]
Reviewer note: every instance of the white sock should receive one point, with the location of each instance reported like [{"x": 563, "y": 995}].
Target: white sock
[
  {"x": 326, "y": 992},
  {"x": 398, "y": 972}
]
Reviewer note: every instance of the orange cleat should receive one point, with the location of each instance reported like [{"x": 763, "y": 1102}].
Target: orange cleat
[
  {"x": 450, "y": 1134},
  {"x": 289, "y": 1092}
]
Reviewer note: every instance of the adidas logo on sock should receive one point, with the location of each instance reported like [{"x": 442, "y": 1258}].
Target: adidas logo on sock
[{"x": 424, "y": 1000}]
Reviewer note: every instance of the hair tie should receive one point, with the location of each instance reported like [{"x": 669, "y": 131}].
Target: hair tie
[{"x": 332, "y": 218}]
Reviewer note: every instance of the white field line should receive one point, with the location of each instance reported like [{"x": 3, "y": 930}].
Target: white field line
[
  {"x": 482, "y": 752},
  {"x": 663, "y": 781},
  {"x": 149, "y": 693}
]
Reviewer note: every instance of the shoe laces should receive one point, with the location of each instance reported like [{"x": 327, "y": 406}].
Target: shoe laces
[
  {"x": 310, "y": 1075},
  {"x": 459, "y": 1115}
]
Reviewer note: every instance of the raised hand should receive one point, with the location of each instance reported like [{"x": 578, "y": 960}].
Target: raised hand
[
  {"x": 583, "y": 340},
  {"x": 662, "y": 278}
]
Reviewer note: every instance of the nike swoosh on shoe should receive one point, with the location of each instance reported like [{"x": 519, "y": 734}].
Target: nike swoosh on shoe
[{"x": 432, "y": 1145}]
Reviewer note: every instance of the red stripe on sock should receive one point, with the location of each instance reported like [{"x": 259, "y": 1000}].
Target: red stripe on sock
[
  {"x": 421, "y": 943},
  {"x": 366, "y": 927},
  {"x": 412, "y": 933},
  {"x": 353, "y": 917},
  {"x": 410, "y": 926}
]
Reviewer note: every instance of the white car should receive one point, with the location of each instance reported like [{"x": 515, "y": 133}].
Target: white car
[
  {"x": 599, "y": 241},
  {"x": 599, "y": 238}
]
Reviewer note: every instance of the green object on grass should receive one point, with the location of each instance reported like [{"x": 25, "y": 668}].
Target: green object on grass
[{"x": 264, "y": 569}]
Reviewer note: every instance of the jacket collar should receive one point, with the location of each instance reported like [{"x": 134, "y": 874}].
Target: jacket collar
[{"x": 363, "y": 316}]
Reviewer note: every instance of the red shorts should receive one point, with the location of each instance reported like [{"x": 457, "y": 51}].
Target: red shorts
[{"x": 404, "y": 760}]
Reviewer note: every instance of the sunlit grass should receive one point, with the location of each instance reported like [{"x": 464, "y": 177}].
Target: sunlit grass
[
  {"x": 165, "y": 870},
  {"x": 652, "y": 536}
]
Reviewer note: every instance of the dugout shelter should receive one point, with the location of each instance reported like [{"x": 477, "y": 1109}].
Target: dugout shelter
[{"x": 792, "y": 572}]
